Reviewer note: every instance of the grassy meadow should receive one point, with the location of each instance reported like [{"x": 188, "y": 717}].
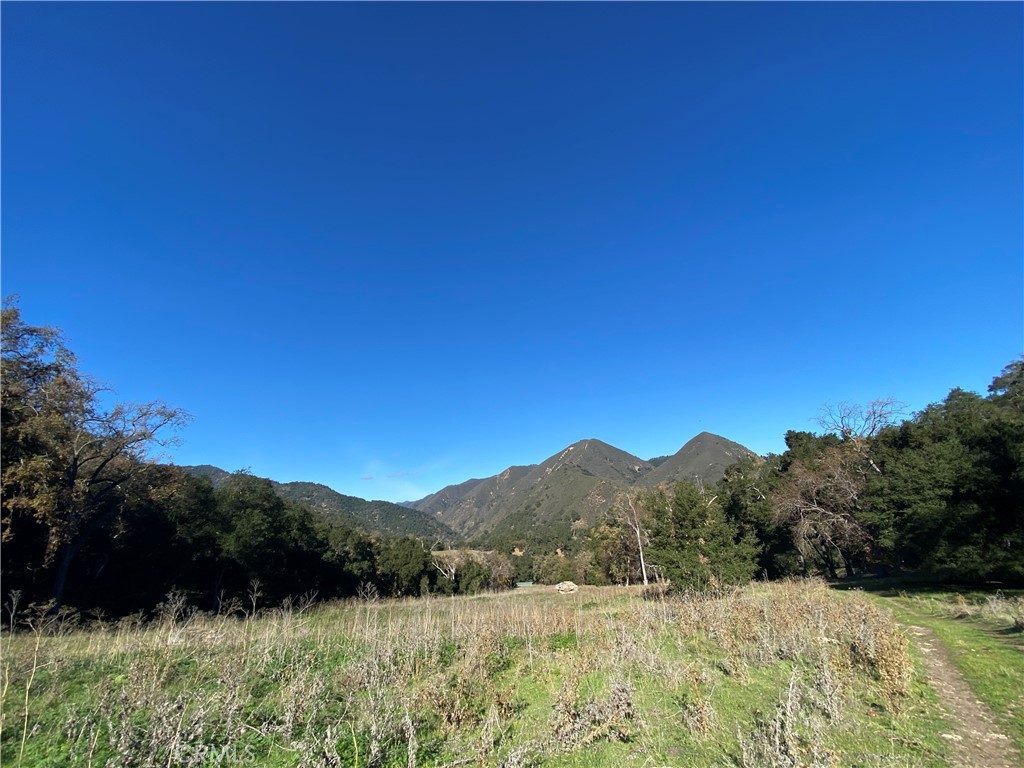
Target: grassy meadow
[{"x": 784, "y": 674}]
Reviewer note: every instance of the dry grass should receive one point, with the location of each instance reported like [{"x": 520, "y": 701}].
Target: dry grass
[
  {"x": 996, "y": 609},
  {"x": 517, "y": 679}
]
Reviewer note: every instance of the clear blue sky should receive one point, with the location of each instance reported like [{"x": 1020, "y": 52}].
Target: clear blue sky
[{"x": 420, "y": 243}]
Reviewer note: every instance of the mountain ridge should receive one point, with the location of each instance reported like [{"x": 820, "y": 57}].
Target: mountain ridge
[
  {"x": 546, "y": 504},
  {"x": 370, "y": 516},
  {"x": 570, "y": 490}
]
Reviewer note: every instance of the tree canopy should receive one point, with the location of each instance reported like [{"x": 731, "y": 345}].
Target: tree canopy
[
  {"x": 693, "y": 544},
  {"x": 68, "y": 460}
]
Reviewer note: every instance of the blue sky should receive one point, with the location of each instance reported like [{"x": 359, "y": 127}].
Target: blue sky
[{"x": 389, "y": 247}]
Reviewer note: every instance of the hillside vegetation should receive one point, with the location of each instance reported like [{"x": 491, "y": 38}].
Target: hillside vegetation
[
  {"x": 536, "y": 506},
  {"x": 349, "y": 511}
]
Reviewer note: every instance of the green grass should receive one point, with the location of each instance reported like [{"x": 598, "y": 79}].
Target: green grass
[{"x": 601, "y": 678}]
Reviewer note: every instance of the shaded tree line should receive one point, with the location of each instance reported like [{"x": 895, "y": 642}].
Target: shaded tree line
[{"x": 90, "y": 519}]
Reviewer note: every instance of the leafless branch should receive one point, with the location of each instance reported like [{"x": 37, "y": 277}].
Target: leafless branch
[{"x": 852, "y": 421}]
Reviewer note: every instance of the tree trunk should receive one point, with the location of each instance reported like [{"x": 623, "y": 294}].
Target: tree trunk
[
  {"x": 643, "y": 565},
  {"x": 828, "y": 560},
  {"x": 830, "y": 564},
  {"x": 639, "y": 540},
  {"x": 218, "y": 578},
  {"x": 60, "y": 578},
  {"x": 847, "y": 563}
]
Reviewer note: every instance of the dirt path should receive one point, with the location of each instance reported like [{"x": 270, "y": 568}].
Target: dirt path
[{"x": 976, "y": 741}]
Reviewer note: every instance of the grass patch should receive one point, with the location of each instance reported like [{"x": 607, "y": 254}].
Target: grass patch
[{"x": 788, "y": 674}]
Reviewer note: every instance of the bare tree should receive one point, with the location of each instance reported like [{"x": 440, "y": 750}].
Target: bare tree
[
  {"x": 447, "y": 565},
  {"x": 818, "y": 501},
  {"x": 857, "y": 424},
  {"x": 641, "y": 535},
  {"x": 819, "y": 498}
]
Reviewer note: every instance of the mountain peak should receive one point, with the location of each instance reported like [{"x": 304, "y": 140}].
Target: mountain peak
[
  {"x": 704, "y": 436},
  {"x": 595, "y": 457},
  {"x": 703, "y": 458},
  {"x": 544, "y": 502}
]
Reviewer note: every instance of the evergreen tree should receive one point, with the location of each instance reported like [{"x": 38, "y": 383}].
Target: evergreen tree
[
  {"x": 693, "y": 544},
  {"x": 745, "y": 493},
  {"x": 950, "y": 494}
]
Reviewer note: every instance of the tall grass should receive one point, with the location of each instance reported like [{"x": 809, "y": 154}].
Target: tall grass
[{"x": 786, "y": 674}]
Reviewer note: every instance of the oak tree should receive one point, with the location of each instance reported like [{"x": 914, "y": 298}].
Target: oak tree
[{"x": 67, "y": 457}]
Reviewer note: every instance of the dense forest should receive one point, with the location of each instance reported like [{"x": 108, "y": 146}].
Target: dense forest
[{"x": 91, "y": 520}]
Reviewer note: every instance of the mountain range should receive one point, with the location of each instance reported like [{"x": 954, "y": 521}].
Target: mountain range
[
  {"x": 540, "y": 506},
  {"x": 549, "y": 503}
]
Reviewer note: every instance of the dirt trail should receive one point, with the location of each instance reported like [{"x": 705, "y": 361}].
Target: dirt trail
[{"x": 977, "y": 740}]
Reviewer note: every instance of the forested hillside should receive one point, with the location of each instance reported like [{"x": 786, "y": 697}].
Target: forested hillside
[
  {"x": 371, "y": 517},
  {"x": 703, "y": 460},
  {"x": 91, "y": 520},
  {"x": 549, "y": 505}
]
